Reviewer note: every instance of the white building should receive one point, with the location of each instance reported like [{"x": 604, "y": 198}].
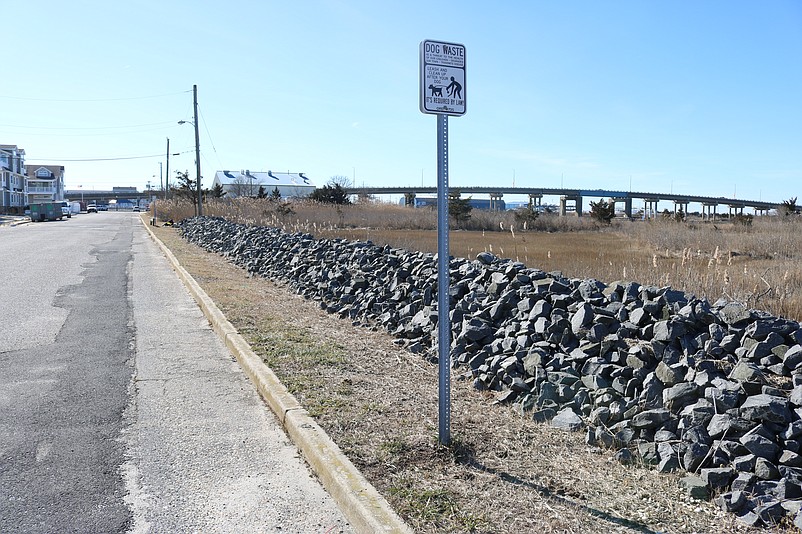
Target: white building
[
  {"x": 13, "y": 194},
  {"x": 45, "y": 183},
  {"x": 247, "y": 183}
]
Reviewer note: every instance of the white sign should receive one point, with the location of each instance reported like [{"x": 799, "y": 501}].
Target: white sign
[{"x": 442, "y": 78}]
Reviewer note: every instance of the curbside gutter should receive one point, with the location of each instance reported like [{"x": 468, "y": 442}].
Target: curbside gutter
[{"x": 364, "y": 507}]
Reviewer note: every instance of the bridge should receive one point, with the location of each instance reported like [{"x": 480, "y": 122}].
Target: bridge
[
  {"x": 571, "y": 199},
  {"x": 103, "y": 197}
]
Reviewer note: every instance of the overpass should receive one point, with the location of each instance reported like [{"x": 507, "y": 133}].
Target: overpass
[
  {"x": 103, "y": 197},
  {"x": 571, "y": 199}
]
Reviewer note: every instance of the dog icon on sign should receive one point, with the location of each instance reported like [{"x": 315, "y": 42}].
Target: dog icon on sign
[{"x": 436, "y": 91}]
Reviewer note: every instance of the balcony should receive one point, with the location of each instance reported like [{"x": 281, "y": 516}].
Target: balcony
[{"x": 47, "y": 190}]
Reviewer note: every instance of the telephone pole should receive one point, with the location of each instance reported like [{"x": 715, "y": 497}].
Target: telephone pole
[
  {"x": 197, "y": 151},
  {"x": 167, "y": 172}
]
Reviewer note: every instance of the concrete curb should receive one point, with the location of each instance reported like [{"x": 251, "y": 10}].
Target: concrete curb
[{"x": 366, "y": 510}]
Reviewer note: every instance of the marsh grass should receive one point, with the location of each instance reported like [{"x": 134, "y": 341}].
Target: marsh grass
[{"x": 758, "y": 264}]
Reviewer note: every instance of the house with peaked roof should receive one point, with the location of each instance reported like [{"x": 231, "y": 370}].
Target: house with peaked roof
[
  {"x": 246, "y": 183},
  {"x": 45, "y": 183}
]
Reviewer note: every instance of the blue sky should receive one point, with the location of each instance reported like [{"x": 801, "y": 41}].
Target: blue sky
[{"x": 689, "y": 97}]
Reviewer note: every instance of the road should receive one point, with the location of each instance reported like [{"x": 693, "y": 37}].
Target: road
[{"x": 120, "y": 409}]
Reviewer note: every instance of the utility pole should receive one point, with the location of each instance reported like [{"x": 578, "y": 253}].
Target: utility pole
[
  {"x": 197, "y": 151},
  {"x": 161, "y": 178},
  {"x": 168, "y": 169}
]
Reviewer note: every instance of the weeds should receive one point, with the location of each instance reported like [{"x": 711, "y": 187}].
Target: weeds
[{"x": 754, "y": 260}]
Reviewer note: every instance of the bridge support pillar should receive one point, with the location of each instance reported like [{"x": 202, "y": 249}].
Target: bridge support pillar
[
  {"x": 495, "y": 201},
  {"x": 650, "y": 208},
  {"x": 576, "y": 199},
  {"x": 628, "y": 208},
  {"x": 709, "y": 211},
  {"x": 680, "y": 205},
  {"x": 535, "y": 200}
]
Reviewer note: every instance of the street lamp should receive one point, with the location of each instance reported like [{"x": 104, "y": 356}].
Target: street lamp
[{"x": 199, "y": 211}]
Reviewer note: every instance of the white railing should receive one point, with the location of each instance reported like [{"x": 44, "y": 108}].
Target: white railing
[{"x": 41, "y": 189}]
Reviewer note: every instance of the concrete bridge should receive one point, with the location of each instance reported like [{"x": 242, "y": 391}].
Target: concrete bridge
[{"x": 571, "y": 199}]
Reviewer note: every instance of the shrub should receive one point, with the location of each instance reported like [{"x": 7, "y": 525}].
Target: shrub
[{"x": 602, "y": 211}]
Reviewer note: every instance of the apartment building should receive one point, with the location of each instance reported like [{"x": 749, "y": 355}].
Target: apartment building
[
  {"x": 45, "y": 183},
  {"x": 13, "y": 193}
]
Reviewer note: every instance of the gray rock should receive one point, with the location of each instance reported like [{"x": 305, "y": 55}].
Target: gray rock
[
  {"x": 566, "y": 419},
  {"x": 675, "y": 397},
  {"x": 745, "y": 371},
  {"x": 668, "y": 331},
  {"x": 717, "y": 478},
  {"x": 732, "y": 501},
  {"x": 760, "y": 446},
  {"x": 695, "y": 487},
  {"x": 734, "y": 313},
  {"x": 793, "y": 357},
  {"x": 623, "y": 456},
  {"x": 766, "y": 408},
  {"x": 770, "y": 513},
  {"x": 650, "y": 418}
]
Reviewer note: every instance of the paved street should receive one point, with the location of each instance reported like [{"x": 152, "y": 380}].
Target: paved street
[{"x": 120, "y": 409}]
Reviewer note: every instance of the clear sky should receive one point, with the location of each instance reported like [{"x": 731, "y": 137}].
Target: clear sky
[{"x": 690, "y": 97}]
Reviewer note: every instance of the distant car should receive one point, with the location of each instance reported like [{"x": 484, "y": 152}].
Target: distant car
[
  {"x": 103, "y": 207},
  {"x": 136, "y": 208},
  {"x": 91, "y": 208}
]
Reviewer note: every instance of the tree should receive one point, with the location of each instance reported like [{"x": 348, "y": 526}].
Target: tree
[
  {"x": 526, "y": 214},
  {"x": 244, "y": 186},
  {"x": 459, "y": 208},
  {"x": 275, "y": 194},
  {"x": 603, "y": 211},
  {"x": 261, "y": 193},
  {"x": 789, "y": 207},
  {"x": 185, "y": 187},
  {"x": 343, "y": 181},
  {"x": 217, "y": 191},
  {"x": 330, "y": 194}
]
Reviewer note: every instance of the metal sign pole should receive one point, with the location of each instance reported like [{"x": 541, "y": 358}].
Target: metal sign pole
[
  {"x": 443, "y": 283},
  {"x": 442, "y": 93}
]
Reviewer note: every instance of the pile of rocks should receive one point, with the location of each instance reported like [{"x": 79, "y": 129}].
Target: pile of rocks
[{"x": 655, "y": 374}]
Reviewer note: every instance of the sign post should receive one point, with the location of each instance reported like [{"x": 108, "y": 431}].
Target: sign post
[{"x": 442, "y": 93}]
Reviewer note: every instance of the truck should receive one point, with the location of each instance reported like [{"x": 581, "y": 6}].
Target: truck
[{"x": 46, "y": 211}]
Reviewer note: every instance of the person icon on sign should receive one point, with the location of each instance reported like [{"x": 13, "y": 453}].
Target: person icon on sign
[{"x": 454, "y": 88}]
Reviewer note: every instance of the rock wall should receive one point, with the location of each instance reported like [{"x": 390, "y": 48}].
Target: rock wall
[{"x": 652, "y": 373}]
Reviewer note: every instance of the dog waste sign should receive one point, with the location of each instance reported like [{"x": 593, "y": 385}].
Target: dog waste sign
[{"x": 442, "y": 76}]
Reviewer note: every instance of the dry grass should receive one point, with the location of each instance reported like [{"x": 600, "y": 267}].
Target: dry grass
[
  {"x": 502, "y": 473},
  {"x": 759, "y": 265}
]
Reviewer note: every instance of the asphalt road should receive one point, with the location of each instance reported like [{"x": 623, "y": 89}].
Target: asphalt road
[{"x": 120, "y": 409}]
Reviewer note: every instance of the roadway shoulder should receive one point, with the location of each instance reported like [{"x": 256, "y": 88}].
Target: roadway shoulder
[{"x": 362, "y": 504}]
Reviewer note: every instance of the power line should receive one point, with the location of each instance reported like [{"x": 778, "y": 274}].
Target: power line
[
  {"x": 89, "y": 99},
  {"x": 209, "y": 135},
  {"x": 88, "y": 134},
  {"x": 84, "y": 127},
  {"x": 106, "y": 159}
]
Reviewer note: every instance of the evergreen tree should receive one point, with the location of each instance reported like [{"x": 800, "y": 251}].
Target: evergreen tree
[
  {"x": 217, "y": 191},
  {"x": 603, "y": 211},
  {"x": 459, "y": 209},
  {"x": 330, "y": 194}
]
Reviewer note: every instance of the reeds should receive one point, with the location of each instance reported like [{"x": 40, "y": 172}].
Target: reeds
[{"x": 759, "y": 265}]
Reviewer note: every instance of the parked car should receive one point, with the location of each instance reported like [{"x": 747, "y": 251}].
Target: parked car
[
  {"x": 91, "y": 208},
  {"x": 66, "y": 210},
  {"x": 136, "y": 208}
]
